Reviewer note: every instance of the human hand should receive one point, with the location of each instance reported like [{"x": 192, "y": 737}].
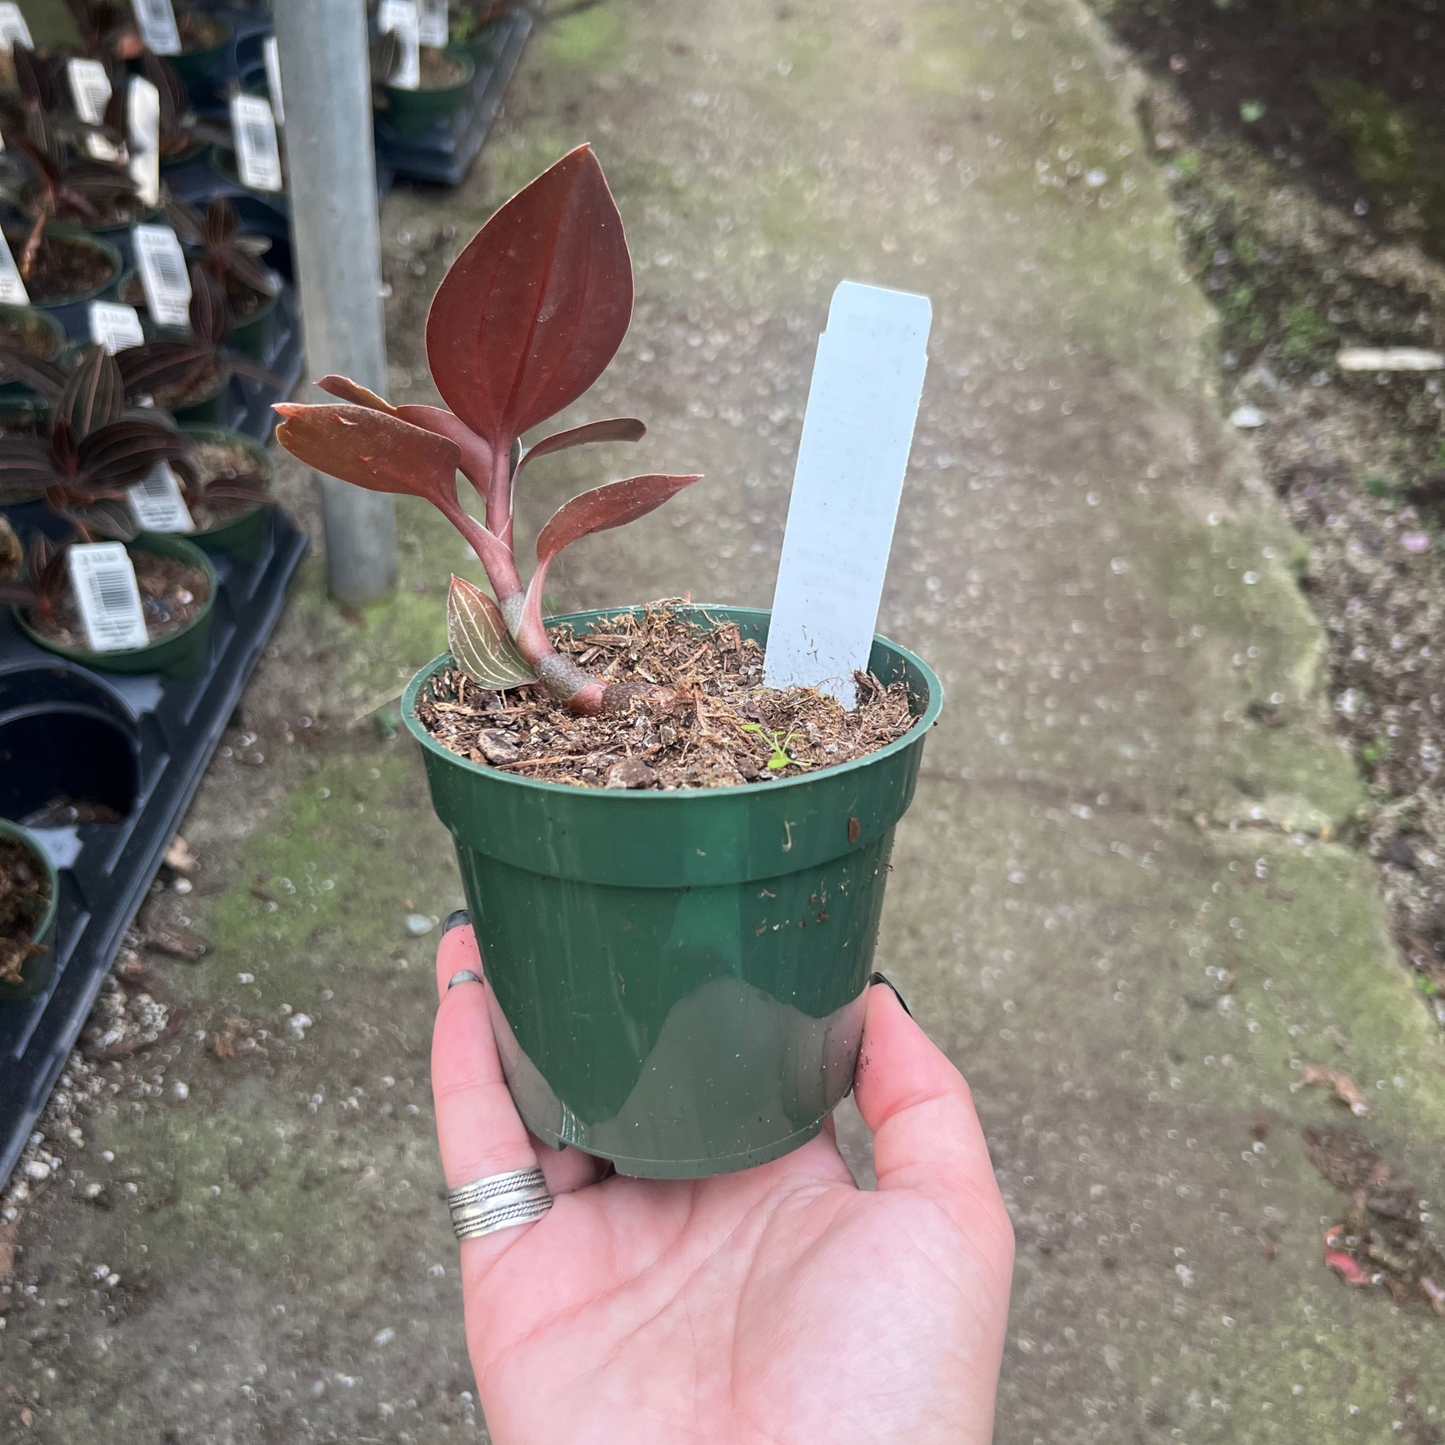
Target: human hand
[{"x": 777, "y": 1305}]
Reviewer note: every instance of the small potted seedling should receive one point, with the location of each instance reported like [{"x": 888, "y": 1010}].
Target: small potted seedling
[
  {"x": 439, "y": 84},
  {"x": 225, "y": 481},
  {"x": 29, "y": 896},
  {"x": 475, "y": 28},
  {"x": 83, "y": 465},
  {"x": 231, "y": 259},
  {"x": 183, "y": 136},
  {"x": 674, "y": 871},
  {"x": 27, "y": 337}
]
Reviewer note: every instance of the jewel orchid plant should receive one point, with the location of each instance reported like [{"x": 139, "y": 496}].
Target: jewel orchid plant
[{"x": 524, "y": 322}]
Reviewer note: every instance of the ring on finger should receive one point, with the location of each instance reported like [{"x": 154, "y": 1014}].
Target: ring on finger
[{"x": 498, "y": 1202}]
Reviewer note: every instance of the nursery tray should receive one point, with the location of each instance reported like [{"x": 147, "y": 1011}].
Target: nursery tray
[
  {"x": 139, "y": 745},
  {"x": 445, "y": 152}
]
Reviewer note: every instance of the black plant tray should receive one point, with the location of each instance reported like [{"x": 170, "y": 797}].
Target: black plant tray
[
  {"x": 140, "y": 746},
  {"x": 445, "y": 152}
]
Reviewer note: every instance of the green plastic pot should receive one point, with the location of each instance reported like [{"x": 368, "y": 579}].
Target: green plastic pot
[
  {"x": 245, "y": 537},
  {"x": 208, "y": 407},
  {"x": 84, "y": 238},
  {"x": 182, "y": 654},
  {"x": 411, "y": 113},
  {"x": 481, "y": 48},
  {"x": 252, "y": 337},
  {"x": 678, "y": 977},
  {"x": 18, "y": 403},
  {"x": 196, "y": 66},
  {"x": 37, "y": 970}
]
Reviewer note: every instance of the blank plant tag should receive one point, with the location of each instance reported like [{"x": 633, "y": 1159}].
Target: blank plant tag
[
  {"x": 103, "y": 579},
  {"x": 157, "y": 502},
  {"x": 258, "y": 157},
  {"x": 13, "y": 29},
  {"x": 401, "y": 16},
  {"x": 12, "y": 285},
  {"x": 163, "y": 274},
  {"x": 271, "y": 53},
  {"x": 143, "y": 125},
  {"x": 115, "y": 326},
  {"x": 857, "y": 431},
  {"x": 432, "y": 27},
  {"x": 157, "y": 21}
]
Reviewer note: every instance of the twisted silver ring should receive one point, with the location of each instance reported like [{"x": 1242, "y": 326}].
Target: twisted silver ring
[
  {"x": 498, "y": 1202},
  {"x": 462, "y": 975}
]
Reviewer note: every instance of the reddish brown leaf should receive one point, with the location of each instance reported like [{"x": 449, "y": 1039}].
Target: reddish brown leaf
[
  {"x": 356, "y": 394},
  {"x": 614, "y": 429},
  {"x": 536, "y": 306}
]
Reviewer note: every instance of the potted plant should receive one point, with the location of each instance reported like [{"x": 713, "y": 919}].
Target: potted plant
[
  {"x": 29, "y": 898},
  {"x": 226, "y": 484},
  {"x": 232, "y": 260},
  {"x": 27, "y": 336},
  {"x": 444, "y": 83},
  {"x": 677, "y": 971},
  {"x": 183, "y": 136},
  {"x": 475, "y": 28}
]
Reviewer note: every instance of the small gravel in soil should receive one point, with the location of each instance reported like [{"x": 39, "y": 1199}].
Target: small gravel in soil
[
  {"x": 172, "y": 592},
  {"x": 231, "y": 465},
  {"x": 726, "y": 730},
  {"x": 24, "y": 893}
]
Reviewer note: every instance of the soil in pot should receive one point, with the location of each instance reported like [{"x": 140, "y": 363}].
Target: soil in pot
[
  {"x": 181, "y": 395},
  {"x": 28, "y": 334},
  {"x": 24, "y": 898},
  {"x": 64, "y": 267},
  {"x": 438, "y": 70},
  {"x": 200, "y": 32},
  {"x": 63, "y": 811},
  {"x": 223, "y": 461},
  {"x": 172, "y": 593},
  {"x": 727, "y": 729}
]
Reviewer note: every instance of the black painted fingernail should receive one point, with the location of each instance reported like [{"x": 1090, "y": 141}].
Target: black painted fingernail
[
  {"x": 883, "y": 978},
  {"x": 460, "y": 919}
]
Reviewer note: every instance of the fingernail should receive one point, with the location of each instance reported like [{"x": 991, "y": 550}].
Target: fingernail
[
  {"x": 465, "y": 975},
  {"x": 883, "y": 978},
  {"x": 460, "y": 919}
]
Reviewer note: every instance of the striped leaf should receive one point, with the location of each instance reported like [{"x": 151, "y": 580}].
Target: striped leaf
[{"x": 479, "y": 640}]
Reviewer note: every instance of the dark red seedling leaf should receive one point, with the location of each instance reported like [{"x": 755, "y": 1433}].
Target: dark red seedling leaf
[
  {"x": 208, "y": 309},
  {"x": 46, "y": 377},
  {"x": 162, "y": 363},
  {"x": 614, "y": 429},
  {"x": 531, "y": 312},
  {"x": 27, "y": 464},
  {"x": 478, "y": 639},
  {"x": 356, "y": 394},
  {"x": 476, "y": 454},
  {"x": 125, "y": 451},
  {"x": 94, "y": 395},
  {"x": 110, "y": 517}
]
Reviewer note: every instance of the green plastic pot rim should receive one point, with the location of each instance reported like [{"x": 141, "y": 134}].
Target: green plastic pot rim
[
  {"x": 442, "y": 91},
  {"x": 89, "y": 238},
  {"x": 47, "y": 322},
  {"x": 28, "y": 840},
  {"x": 657, "y": 797},
  {"x": 200, "y": 431},
  {"x": 146, "y": 542}
]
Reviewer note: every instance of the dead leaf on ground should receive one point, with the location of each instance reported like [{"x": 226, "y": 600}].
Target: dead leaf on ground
[
  {"x": 180, "y": 858},
  {"x": 1346, "y": 1090}
]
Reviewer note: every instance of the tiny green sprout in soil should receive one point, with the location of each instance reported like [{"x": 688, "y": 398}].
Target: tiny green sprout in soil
[
  {"x": 725, "y": 729},
  {"x": 24, "y": 896}
]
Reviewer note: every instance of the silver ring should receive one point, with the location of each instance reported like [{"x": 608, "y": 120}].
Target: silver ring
[
  {"x": 498, "y": 1202},
  {"x": 462, "y": 975}
]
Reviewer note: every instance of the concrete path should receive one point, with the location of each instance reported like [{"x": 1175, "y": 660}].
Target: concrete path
[{"x": 1133, "y": 794}]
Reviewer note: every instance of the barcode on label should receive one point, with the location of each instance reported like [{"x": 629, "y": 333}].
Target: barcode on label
[
  {"x": 401, "y": 16},
  {"x": 143, "y": 125},
  {"x": 12, "y": 286},
  {"x": 103, "y": 580},
  {"x": 432, "y": 28},
  {"x": 89, "y": 89},
  {"x": 271, "y": 52},
  {"x": 157, "y": 502},
  {"x": 13, "y": 29},
  {"x": 157, "y": 22},
  {"x": 163, "y": 274},
  {"x": 258, "y": 158},
  {"x": 115, "y": 326}
]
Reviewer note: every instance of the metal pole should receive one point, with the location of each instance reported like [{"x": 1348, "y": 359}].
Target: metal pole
[{"x": 326, "y": 87}]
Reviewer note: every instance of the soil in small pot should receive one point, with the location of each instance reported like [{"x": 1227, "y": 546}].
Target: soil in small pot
[
  {"x": 200, "y": 32},
  {"x": 180, "y": 395},
  {"x": 63, "y": 267},
  {"x": 28, "y": 334},
  {"x": 727, "y": 730},
  {"x": 63, "y": 811},
  {"x": 439, "y": 71},
  {"x": 222, "y": 462},
  {"x": 24, "y": 897},
  {"x": 172, "y": 593}
]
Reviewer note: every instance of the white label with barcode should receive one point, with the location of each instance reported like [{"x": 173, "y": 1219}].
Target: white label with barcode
[
  {"x": 258, "y": 157},
  {"x": 271, "y": 53},
  {"x": 13, "y": 29},
  {"x": 103, "y": 580},
  {"x": 157, "y": 502},
  {"x": 90, "y": 91},
  {"x": 163, "y": 274},
  {"x": 157, "y": 21},
  {"x": 401, "y": 16},
  {"x": 432, "y": 26},
  {"x": 12, "y": 285},
  {"x": 143, "y": 125},
  {"x": 115, "y": 326}
]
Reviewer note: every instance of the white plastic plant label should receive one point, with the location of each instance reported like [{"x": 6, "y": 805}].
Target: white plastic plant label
[
  {"x": 115, "y": 326},
  {"x": 103, "y": 580},
  {"x": 857, "y": 431},
  {"x": 163, "y": 274},
  {"x": 90, "y": 92},
  {"x": 157, "y": 502},
  {"x": 432, "y": 27},
  {"x": 157, "y": 21},
  {"x": 401, "y": 16},
  {"x": 271, "y": 53},
  {"x": 13, "y": 29},
  {"x": 12, "y": 284},
  {"x": 143, "y": 126},
  {"x": 258, "y": 157}
]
